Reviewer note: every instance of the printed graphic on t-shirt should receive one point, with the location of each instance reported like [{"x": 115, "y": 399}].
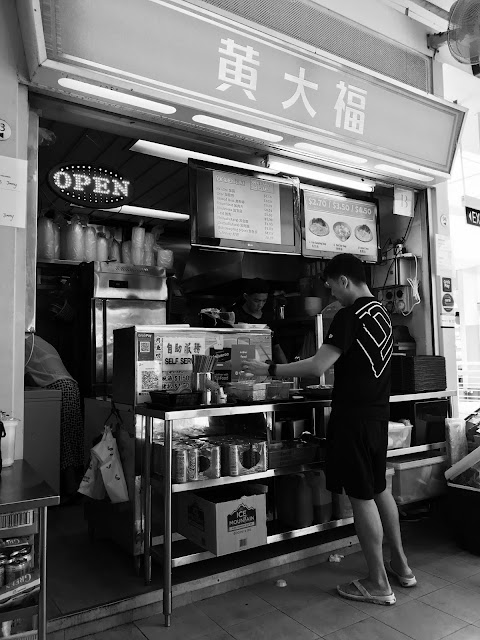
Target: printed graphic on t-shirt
[{"x": 375, "y": 338}]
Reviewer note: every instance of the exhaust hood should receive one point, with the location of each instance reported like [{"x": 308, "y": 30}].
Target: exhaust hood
[{"x": 210, "y": 269}]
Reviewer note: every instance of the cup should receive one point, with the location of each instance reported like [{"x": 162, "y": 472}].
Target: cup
[
  {"x": 8, "y": 442},
  {"x": 203, "y": 382}
]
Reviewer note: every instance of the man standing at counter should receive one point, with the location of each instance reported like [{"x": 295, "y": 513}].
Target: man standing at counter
[
  {"x": 359, "y": 345},
  {"x": 250, "y": 311}
]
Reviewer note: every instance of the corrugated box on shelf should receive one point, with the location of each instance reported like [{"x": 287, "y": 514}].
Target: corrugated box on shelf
[{"x": 223, "y": 522}]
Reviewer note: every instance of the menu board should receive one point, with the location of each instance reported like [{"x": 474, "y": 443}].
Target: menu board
[
  {"x": 336, "y": 224},
  {"x": 246, "y": 208}
]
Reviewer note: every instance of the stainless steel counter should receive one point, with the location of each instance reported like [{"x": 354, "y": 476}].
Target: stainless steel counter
[{"x": 170, "y": 416}]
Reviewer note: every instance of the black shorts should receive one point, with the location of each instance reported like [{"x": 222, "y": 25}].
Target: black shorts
[{"x": 357, "y": 456}]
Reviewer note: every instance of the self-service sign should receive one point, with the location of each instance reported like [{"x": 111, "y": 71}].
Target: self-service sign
[{"x": 473, "y": 216}]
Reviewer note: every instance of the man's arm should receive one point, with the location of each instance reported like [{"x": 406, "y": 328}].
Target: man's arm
[{"x": 325, "y": 358}]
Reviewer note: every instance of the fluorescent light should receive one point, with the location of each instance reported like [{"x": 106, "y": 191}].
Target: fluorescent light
[
  {"x": 398, "y": 171},
  {"x": 183, "y": 155},
  {"x": 325, "y": 152},
  {"x": 237, "y": 128},
  {"x": 149, "y": 213},
  {"x": 116, "y": 96},
  {"x": 292, "y": 167},
  {"x": 329, "y": 192}
]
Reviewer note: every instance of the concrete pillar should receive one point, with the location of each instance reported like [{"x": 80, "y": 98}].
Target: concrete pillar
[{"x": 13, "y": 109}]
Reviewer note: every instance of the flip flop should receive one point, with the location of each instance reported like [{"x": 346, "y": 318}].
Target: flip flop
[
  {"x": 364, "y": 596},
  {"x": 403, "y": 581}
]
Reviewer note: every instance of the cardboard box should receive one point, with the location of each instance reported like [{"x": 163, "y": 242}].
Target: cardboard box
[{"x": 222, "y": 525}]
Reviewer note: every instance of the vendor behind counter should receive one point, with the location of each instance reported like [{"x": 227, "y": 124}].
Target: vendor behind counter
[
  {"x": 249, "y": 310},
  {"x": 44, "y": 368}
]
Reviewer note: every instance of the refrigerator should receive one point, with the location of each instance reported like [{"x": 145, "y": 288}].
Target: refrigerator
[{"x": 115, "y": 295}]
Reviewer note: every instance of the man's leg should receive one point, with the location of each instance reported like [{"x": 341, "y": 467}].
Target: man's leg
[
  {"x": 388, "y": 511},
  {"x": 369, "y": 530}
]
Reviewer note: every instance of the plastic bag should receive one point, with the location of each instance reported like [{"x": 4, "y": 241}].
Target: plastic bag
[
  {"x": 75, "y": 240},
  {"x": 114, "y": 252},
  {"x": 127, "y": 252},
  {"x": 90, "y": 244},
  {"x": 138, "y": 244},
  {"x": 92, "y": 484},
  {"x": 164, "y": 258},
  {"x": 456, "y": 437},
  {"x": 149, "y": 255},
  {"x": 45, "y": 238},
  {"x": 114, "y": 479},
  {"x": 106, "y": 451}
]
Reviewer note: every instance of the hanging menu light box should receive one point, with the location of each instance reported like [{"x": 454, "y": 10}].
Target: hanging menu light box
[
  {"x": 336, "y": 224},
  {"x": 246, "y": 208},
  {"x": 243, "y": 211},
  {"x": 90, "y": 186}
]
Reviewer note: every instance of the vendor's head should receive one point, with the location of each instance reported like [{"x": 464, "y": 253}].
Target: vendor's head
[
  {"x": 255, "y": 295},
  {"x": 345, "y": 276}
]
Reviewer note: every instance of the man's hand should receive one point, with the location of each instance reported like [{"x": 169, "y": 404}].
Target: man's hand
[{"x": 256, "y": 367}]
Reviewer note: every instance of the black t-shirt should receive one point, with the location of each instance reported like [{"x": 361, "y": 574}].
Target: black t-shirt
[
  {"x": 363, "y": 332},
  {"x": 243, "y": 316}
]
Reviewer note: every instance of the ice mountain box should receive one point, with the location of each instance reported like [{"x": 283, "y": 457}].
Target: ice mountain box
[{"x": 223, "y": 524}]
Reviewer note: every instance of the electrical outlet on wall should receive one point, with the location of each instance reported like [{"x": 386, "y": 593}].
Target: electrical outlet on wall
[{"x": 396, "y": 299}]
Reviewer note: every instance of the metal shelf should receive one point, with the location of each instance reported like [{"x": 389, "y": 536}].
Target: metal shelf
[
  {"x": 225, "y": 410},
  {"x": 306, "y": 531},
  {"x": 225, "y": 480},
  {"x": 427, "y": 395},
  {"x": 185, "y": 552},
  {"x": 421, "y": 448},
  {"x": 242, "y": 409},
  {"x": 13, "y": 613}
]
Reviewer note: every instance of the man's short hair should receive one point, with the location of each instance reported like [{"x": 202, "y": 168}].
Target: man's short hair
[
  {"x": 257, "y": 285},
  {"x": 346, "y": 264}
]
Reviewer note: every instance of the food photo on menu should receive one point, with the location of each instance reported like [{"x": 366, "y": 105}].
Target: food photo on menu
[{"x": 336, "y": 224}]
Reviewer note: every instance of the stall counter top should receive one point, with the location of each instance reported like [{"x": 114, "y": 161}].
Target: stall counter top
[{"x": 21, "y": 489}]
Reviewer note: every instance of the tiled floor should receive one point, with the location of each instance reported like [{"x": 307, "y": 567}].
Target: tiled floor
[{"x": 445, "y": 604}]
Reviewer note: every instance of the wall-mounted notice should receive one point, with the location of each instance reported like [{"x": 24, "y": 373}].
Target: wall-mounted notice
[
  {"x": 13, "y": 192},
  {"x": 246, "y": 208},
  {"x": 334, "y": 224},
  {"x": 443, "y": 255}
]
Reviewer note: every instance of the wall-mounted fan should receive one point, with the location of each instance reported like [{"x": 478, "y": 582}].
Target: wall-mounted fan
[{"x": 463, "y": 34}]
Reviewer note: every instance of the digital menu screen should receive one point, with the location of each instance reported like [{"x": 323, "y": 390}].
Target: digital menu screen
[
  {"x": 243, "y": 210},
  {"x": 336, "y": 224},
  {"x": 246, "y": 208}
]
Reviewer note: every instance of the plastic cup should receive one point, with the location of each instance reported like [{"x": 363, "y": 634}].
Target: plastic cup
[{"x": 8, "y": 442}]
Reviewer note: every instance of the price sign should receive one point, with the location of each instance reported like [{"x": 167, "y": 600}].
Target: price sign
[{"x": 246, "y": 208}]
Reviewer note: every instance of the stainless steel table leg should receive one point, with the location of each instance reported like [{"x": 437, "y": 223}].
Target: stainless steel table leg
[
  {"x": 147, "y": 490},
  {"x": 167, "y": 534},
  {"x": 42, "y": 597}
]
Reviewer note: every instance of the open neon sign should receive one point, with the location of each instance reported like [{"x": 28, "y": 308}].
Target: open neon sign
[{"x": 90, "y": 186}]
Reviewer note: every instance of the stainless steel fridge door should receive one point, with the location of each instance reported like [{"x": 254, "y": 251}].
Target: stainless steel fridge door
[{"x": 117, "y": 314}]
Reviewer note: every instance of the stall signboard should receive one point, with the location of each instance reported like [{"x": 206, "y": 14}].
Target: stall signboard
[
  {"x": 339, "y": 225},
  {"x": 241, "y": 72},
  {"x": 90, "y": 186}
]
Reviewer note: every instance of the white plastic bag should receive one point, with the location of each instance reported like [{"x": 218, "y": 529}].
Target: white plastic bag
[
  {"x": 105, "y": 449},
  {"x": 106, "y": 452},
  {"x": 92, "y": 484},
  {"x": 114, "y": 479}
]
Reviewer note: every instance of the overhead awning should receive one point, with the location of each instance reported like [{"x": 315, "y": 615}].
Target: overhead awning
[{"x": 128, "y": 56}]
